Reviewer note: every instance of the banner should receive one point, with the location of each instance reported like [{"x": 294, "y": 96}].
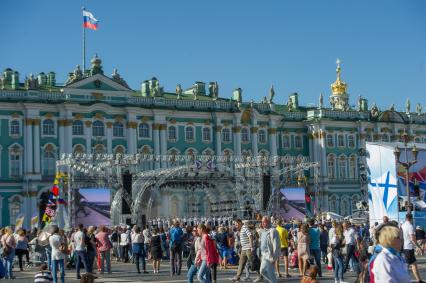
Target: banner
[
  {"x": 382, "y": 187},
  {"x": 18, "y": 223},
  {"x": 34, "y": 221},
  {"x": 290, "y": 204},
  {"x": 92, "y": 206}
]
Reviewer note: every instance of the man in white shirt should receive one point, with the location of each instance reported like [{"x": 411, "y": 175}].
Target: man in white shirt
[
  {"x": 349, "y": 234},
  {"x": 410, "y": 244},
  {"x": 80, "y": 249}
]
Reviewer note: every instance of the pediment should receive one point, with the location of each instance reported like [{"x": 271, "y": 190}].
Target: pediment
[{"x": 98, "y": 82}]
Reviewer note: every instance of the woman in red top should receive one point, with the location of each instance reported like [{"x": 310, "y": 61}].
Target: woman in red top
[
  {"x": 104, "y": 248},
  {"x": 212, "y": 254}
]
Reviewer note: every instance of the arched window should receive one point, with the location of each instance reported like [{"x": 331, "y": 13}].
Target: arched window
[
  {"x": 332, "y": 203},
  {"x": 245, "y": 135},
  {"x": 172, "y": 133},
  {"x": 342, "y": 167},
  {"x": 227, "y": 155},
  {"x": 15, "y": 161},
  {"x": 226, "y": 135},
  {"x": 191, "y": 154},
  {"x": 15, "y": 208},
  {"x": 15, "y": 128},
  {"x": 144, "y": 131},
  {"x": 49, "y": 161},
  {"x": 119, "y": 150},
  {"x": 262, "y": 136},
  {"x": 331, "y": 166},
  {"x": 286, "y": 141},
  {"x": 330, "y": 140},
  {"x": 77, "y": 128},
  {"x": 118, "y": 129},
  {"x": 99, "y": 149},
  {"x": 352, "y": 167},
  {"x": 368, "y": 138},
  {"x": 354, "y": 200},
  {"x": 206, "y": 134},
  {"x": 344, "y": 206},
  {"x": 351, "y": 141},
  {"x": 48, "y": 127},
  {"x": 298, "y": 143},
  {"x": 385, "y": 138},
  {"x": 79, "y": 149},
  {"x": 98, "y": 129},
  {"x": 189, "y": 133},
  {"x": 340, "y": 140}
]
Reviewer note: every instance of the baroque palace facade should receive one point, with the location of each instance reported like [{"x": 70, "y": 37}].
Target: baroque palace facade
[{"x": 94, "y": 113}]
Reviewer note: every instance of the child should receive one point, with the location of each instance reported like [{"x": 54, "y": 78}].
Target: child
[
  {"x": 312, "y": 275},
  {"x": 44, "y": 275}
]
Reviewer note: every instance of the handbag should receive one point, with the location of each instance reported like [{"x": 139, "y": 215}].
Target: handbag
[
  {"x": 6, "y": 251},
  {"x": 64, "y": 249}
]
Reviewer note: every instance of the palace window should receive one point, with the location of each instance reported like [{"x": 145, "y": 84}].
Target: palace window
[
  {"x": 368, "y": 138},
  {"x": 331, "y": 167},
  {"x": 342, "y": 167},
  {"x": 332, "y": 203},
  {"x": 98, "y": 129},
  {"x": 385, "y": 138},
  {"x": 286, "y": 141},
  {"x": 352, "y": 167},
  {"x": 330, "y": 140},
  {"x": 226, "y": 135},
  {"x": 118, "y": 129},
  {"x": 172, "y": 133},
  {"x": 298, "y": 142},
  {"x": 119, "y": 150},
  {"x": 48, "y": 127},
  {"x": 144, "y": 131},
  {"x": 340, "y": 140},
  {"x": 354, "y": 200},
  {"x": 99, "y": 149},
  {"x": 15, "y": 207},
  {"x": 262, "y": 136},
  {"x": 15, "y": 157},
  {"x": 351, "y": 141},
  {"x": 15, "y": 128},
  {"x": 79, "y": 149},
  {"x": 206, "y": 134},
  {"x": 189, "y": 133},
  {"x": 77, "y": 128},
  {"x": 245, "y": 135},
  {"x": 49, "y": 161},
  {"x": 344, "y": 206}
]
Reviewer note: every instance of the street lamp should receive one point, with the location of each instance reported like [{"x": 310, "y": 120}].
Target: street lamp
[{"x": 407, "y": 164}]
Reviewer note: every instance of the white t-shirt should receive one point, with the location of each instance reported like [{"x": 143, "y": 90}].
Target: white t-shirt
[
  {"x": 408, "y": 230},
  {"x": 79, "y": 241},
  {"x": 349, "y": 236},
  {"x": 390, "y": 268}
]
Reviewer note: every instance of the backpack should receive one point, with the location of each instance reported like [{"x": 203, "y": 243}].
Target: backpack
[
  {"x": 114, "y": 237},
  {"x": 176, "y": 237}
]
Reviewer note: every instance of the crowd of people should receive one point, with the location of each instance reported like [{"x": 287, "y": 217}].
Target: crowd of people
[{"x": 380, "y": 253}]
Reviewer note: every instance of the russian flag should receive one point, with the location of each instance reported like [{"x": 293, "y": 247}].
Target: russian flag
[{"x": 89, "y": 20}]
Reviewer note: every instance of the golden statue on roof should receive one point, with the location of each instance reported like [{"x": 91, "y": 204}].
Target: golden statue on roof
[{"x": 339, "y": 86}]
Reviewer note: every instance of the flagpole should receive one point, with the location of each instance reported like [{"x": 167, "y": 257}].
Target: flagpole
[{"x": 84, "y": 46}]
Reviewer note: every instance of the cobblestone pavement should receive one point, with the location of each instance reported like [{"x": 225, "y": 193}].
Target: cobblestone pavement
[{"x": 126, "y": 272}]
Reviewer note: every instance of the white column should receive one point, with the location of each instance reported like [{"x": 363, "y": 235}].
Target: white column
[
  {"x": 28, "y": 150},
  {"x": 254, "y": 147},
  {"x": 36, "y": 150},
  {"x": 237, "y": 140},
  {"x": 163, "y": 143},
  {"x": 273, "y": 141},
  {"x": 156, "y": 136},
  {"x": 131, "y": 137},
  {"x": 218, "y": 130},
  {"x": 68, "y": 136},
  {"x": 61, "y": 136},
  {"x": 109, "y": 137},
  {"x": 88, "y": 136}
]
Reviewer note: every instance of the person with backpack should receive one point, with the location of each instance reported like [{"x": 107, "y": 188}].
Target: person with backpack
[
  {"x": 9, "y": 245},
  {"x": 387, "y": 265},
  {"x": 270, "y": 249},
  {"x": 176, "y": 235}
]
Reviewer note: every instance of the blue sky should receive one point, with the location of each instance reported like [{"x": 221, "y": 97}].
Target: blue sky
[
  {"x": 96, "y": 194},
  {"x": 241, "y": 43}
]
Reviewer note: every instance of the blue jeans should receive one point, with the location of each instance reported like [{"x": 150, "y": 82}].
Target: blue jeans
[
  {"x": 140, "y": 256},
  {"x": 317, "y": 257},
  {"x": 81, "y": 257},
  {"x": 203, "y": 272},
  {"x": 8, "y": 264},
  {"x": 49, "y": 257},
  {"x": 61, "y": 264},
  {"x": 90, "y": 259},
  {"x": 338, "y": 268},
  {"x": 192, "y": 271},
  {"x": 105, "y": 257}
]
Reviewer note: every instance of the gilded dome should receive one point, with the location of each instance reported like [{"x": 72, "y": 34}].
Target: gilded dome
[{"x": 339, "y": 86}]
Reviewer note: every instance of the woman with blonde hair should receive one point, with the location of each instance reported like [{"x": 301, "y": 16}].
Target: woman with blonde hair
[
  {"x": 9, "y": 245},
  {"x": 303, "y": 242},
  {"x": 336, "y": 246},
  {"x": 389, "y": 265}
]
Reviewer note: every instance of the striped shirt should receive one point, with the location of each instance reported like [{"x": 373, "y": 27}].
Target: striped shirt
[
  {"x": 43, "y": 277},
  {"x": 244, "y": 238}
]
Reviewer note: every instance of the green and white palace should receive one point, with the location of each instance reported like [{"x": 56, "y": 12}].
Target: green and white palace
[{"x": 96, "y": 113}]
